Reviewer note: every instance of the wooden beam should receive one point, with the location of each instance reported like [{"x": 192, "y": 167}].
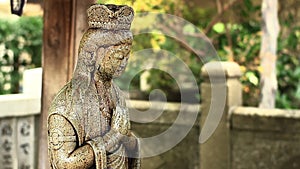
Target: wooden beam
[{"x": 64, "y": 23}]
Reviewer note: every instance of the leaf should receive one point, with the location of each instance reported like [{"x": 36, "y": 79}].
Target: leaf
[
  {"x": 297, "y": 72},
  {"x": 219, "y": 27},
  {"x": 252, "y": 78},
  {"x": 249, "y": 5}
]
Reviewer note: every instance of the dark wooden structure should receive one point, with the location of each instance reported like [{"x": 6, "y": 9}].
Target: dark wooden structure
[{"x": 64, "y": 24}]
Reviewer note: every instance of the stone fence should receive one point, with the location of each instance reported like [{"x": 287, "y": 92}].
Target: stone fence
[
  {"x": 246, "y": 137},
  {"x": 264, "y": 138},
  {"x": 183, "y": 155},
  {"x": 19, "y": 114}
]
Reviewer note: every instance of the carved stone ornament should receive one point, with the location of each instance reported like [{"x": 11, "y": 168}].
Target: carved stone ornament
[{"x": 88, "y": 122}]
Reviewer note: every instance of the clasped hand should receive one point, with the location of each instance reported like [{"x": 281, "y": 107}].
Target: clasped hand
[{"x": 120, "y": 121}]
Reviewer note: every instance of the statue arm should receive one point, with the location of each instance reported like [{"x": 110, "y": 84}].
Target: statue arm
[
  {"x": 63, "y": 149},
  {"x": 110, "y": 140},
  {"x": 130, "y": 142},
  {"x": 65, "y": 153}
]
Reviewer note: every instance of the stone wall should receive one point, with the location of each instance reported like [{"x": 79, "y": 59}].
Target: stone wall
[
  {"x": 245, "y": 137},
  {"x": 264, "y": 138},
  {"x": 185, "y": 154}
]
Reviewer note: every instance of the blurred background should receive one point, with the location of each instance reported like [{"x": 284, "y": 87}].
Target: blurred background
[
  {"x": 233, "y": 27},
  {"x": 20, "y": 44},
  {"x": 47, "y": 35}
]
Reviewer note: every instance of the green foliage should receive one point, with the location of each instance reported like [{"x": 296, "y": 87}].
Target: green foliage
[
  {"x": 246, "y": 37},
  {"x": 245, "y": 49},
  {"x": 20, "y": 48},
  {"x": 236, "y": 37},
  {"x": 288, "y": 71},
  {"x": 159, "y": 79}
]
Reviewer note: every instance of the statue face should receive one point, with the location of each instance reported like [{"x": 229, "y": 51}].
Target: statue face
[{"x": 113, "y": 60}]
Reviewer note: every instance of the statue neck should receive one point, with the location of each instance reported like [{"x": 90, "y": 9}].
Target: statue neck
[
  {"x": 102, "y": 83},
  {"x": 103, "y": 87}
]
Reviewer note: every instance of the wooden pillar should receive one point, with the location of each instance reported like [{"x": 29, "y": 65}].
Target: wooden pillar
[{"x": 64, "y": 23}]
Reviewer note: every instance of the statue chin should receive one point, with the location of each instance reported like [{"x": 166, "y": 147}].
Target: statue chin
[
  {"x": 118, "y": 73},
  {"x": 120, "y": 70}
]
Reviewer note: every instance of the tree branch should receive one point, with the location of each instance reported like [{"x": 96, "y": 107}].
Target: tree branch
[
  {"x": 219, "y": 16},
  {"x": 182, "y": 41}
]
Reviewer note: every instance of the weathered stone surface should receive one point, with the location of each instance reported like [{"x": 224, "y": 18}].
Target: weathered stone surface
[
  {"x": 219, "y": 69},
  {"x": 223, "y": 79},
  {"x": 264, "y": 150},
  {"x": 8, "y": 143},
  {"x": 26, "y": 146},
  {"x": 275, "y": 120},
  {"x": 164, "y": 113},
  {"x": 184, "y": 155},
  {"x": 265, "y": 138}
]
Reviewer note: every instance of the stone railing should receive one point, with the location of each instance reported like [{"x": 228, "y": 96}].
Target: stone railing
[
  {"x": 19, "y": 115},
  {"x": 264, "y": 138},
  {"x": 183, "y": 155},
  {"x": 246, "y": 137}
]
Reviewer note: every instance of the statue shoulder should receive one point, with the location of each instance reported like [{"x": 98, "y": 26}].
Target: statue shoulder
[
  {"x": 62, "y": 107},
  {"x": 62, "y": 100}
]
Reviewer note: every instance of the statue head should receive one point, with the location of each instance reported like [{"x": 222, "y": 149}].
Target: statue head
[
  {"x": 110, "y": 17},
  {"x": 105, "y": 46}
]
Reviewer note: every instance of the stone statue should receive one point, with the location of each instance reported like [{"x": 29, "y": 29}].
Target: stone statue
[{"x": 88, "y": 122}]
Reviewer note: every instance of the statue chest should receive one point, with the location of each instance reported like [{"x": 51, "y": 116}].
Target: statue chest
[
  {"x": 98, "y": 117},
  {"x": 96, "y": 124}
]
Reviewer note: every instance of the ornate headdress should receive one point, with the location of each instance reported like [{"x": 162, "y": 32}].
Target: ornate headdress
[{"x": 110, "y": 17}]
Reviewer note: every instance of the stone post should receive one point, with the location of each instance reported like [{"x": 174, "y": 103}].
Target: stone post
[{"x": 220, "y": 91}]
